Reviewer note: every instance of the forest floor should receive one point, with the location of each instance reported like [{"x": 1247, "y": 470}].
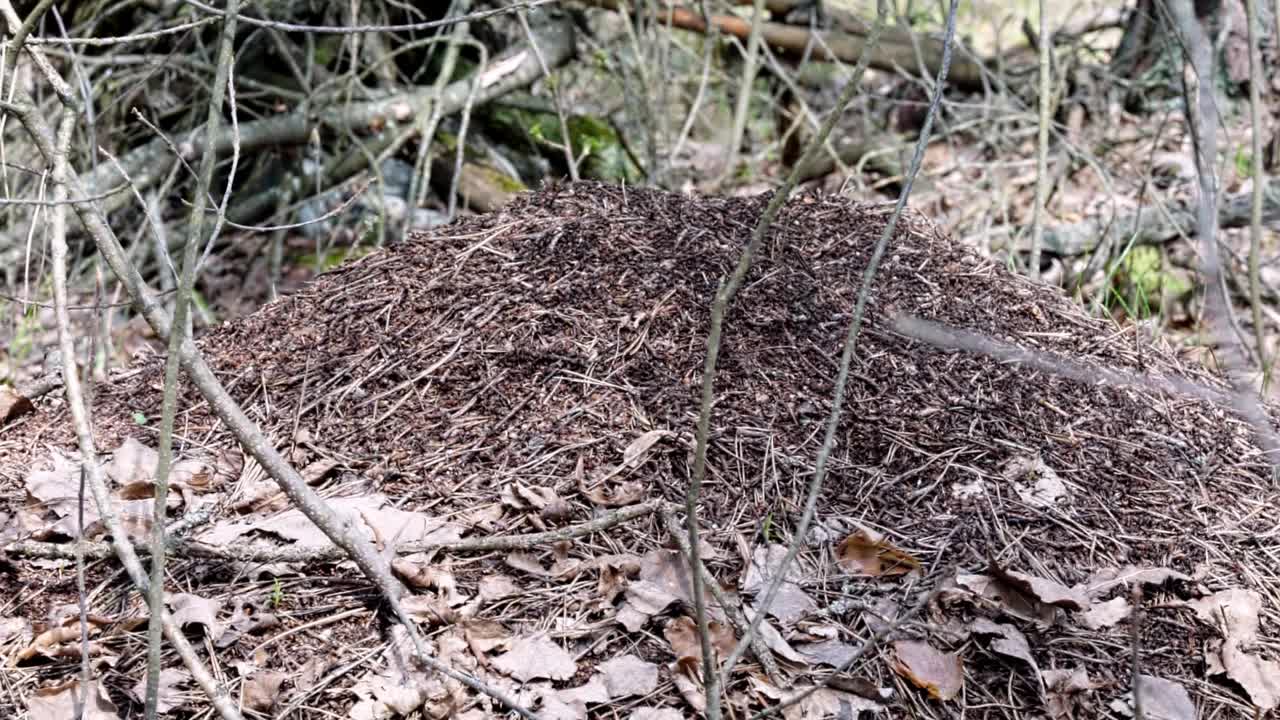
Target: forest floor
[{"x": 538, "y": 368}]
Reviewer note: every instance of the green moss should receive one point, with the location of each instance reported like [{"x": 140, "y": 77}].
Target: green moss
[
  {"x": 1144, "y": 285},
  {"x": 332, "y": 258},
  {"x": 603, "y": 155}
]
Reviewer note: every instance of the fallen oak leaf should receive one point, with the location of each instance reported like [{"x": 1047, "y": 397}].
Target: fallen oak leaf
[
  {"x": 171, "y": 695},
  {"x": 937, "y": 673},
  {"x": 628, "y": 675},
  {"x": 531, "y": 658},
  {"x": 62, "y": 701},
  {"x": 1009, "y": 641},
  {"x": 682, "y": 634},
  {"x": 865, "y": 552},
  {"x": 1049, "y": 592},
  {"x": 1066, "y": 692},
  {"x": 1106, "y": 614},
  {"x": 1161, "y": 700}
]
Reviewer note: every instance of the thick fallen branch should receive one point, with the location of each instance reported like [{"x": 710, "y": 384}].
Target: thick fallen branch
[
  {"x": 895, "y": 51},
  {"x": 515, "y": 69},
  {"x": 1152, "y": 226},
  {"x": 252, "y": 553}
]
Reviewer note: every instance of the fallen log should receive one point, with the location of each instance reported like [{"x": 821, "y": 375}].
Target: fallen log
[
  {"x": 1152, "y": 225},
  {"x": 894, "y": 53}
]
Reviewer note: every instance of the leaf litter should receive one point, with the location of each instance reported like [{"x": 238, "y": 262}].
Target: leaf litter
[{"x": 565, "y": 382}]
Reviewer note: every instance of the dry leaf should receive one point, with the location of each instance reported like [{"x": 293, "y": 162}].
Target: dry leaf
[
  {"x": 496, "y": 587},
  {"x": 316, "y": 471},
  {"x": 389, "y": 694},
  {"x": 14, "y": 628},
  {"x": 1259, "y": 678},
  {"x": 791, "y": 602},
  {"x": 132, "y": 462},
  {"x": 484, "y": 636},
  {"x": 60, "y": 702},
  {"x": 1009, "y": 598},
  {"x": 1066, "y": 693},
  {"x": 820, "y": 704},
  {"x": 261, "y": 690},
  {"x": 664, "y": 579},
  {"x": 1161, "y": 700},
  {"x": 1036, "y": 483},
  {"x": 1009, "y": 641},
  {"x": 635, "y": 452},
  {"x": 626, "y": 493},
  {"x": 1104, "y": 580},
  {"x": 938, "y": 673},
  {"x": 827, "y": 652},
  {"x": 367, "y": 512},
  {"x": 13, "y": 404},
  {"x": 686, "y": 676},
  {"x": 1106, "y": 614},
  {"x": 1235, "y": 612},
  {"x": 171, "y": 696},
  {"x": 1049, "y": 592},
  {"x": 429, "y": 610},
  {"x": 419, "y": 576},
  {"x": 531, "y": 658},
  {"x": 614, "y": 571},
  {"x": 865, "y": 552},
  {"x": 553, "y": 706},
  {"x": 246, "y": 619},
  {"x": 682, "y": 634},
  {"x": 595, "y": 692},
  {"x": 528, "y": 563},
  {"x": 773, "y": 639},
  {"x": 828, "y": 703},
  {"x": 56, "y": 487},
  {"x": 188, "y": 609},
  {"x": 629, "y": 675}
]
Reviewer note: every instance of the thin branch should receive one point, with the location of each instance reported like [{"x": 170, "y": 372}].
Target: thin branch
[
  {"x": 851, "y": 341},
  {"x": 251, "y": 553},
  {"x": 745, "y": 88},
  {"x": 1255, "y": 209},
  {"x": 180, "y": 331},
  {"x": 724, "y": 297},
  {"x": 361, "y": 29},
  {"x": 556, "y": 99},
  {"x": 1204, "y": 114},
  {"x": 1042, "y": 145},
  {"x": 90, "y": 466},
  {"x": 740, "y": 622}
]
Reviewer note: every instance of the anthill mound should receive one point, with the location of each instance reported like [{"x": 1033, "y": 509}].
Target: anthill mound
[{"x": 536, "y": 343}]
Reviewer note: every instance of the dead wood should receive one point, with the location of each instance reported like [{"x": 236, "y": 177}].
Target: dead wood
[
  {"x": 1154, "y": 225},
  {"x": 894, "y": 53},
  {"x": 148, "y": 164}
]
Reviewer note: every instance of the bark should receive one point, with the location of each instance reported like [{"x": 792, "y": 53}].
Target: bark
[
  {"x": 1151, "y": 226},
  {"x": 894, "y": 53}
]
